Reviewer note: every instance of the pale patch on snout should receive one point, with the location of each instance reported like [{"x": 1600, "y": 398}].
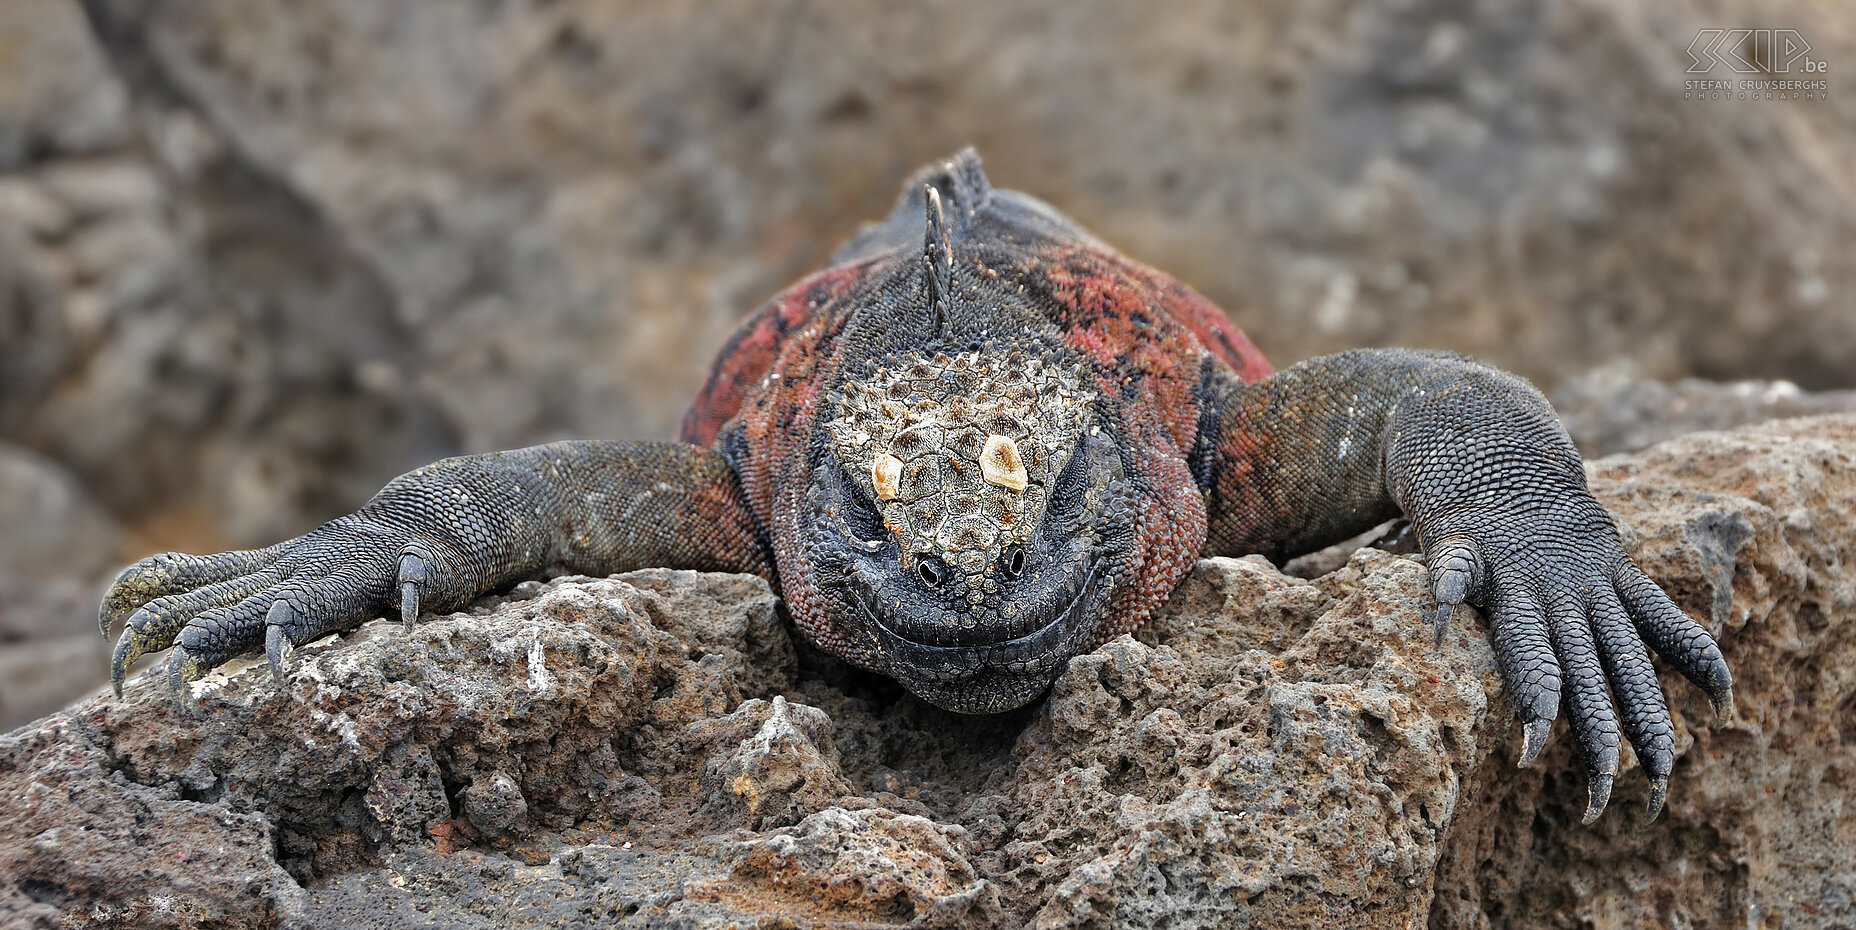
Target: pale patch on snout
[
  {"x": 886, "y": 476},
  {"x": 1000, "y": 464}
]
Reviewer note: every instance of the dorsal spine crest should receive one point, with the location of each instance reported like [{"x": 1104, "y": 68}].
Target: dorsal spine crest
[{"x": 937, "y": 257}]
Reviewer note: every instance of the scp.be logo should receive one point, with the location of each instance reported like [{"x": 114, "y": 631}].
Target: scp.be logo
[{"x": 1753, "y": 51}]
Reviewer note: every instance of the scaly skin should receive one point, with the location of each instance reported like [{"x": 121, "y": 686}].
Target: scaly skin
[{"x": 981, "y": 443}]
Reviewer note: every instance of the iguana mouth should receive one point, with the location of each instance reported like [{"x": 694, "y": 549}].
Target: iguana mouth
[
  {"x": 928, "y": 628},
  {"x": 989, "y": 677},
  {"x": 924, "y": 631}
]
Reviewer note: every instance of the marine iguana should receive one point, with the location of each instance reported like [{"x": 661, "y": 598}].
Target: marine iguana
[{"x": 980, "y": 443}]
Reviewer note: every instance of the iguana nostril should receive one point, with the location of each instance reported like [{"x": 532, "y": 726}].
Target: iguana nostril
[
  {"x": 1013, "y": 564},
  {"x": 932, "y": 570}
]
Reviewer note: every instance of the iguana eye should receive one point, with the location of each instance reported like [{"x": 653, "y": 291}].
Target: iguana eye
[
  {"x": 932, "y": 570},
  {"x": 1012, "y": 564}
]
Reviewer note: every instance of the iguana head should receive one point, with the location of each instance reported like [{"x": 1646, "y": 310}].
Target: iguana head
[
  {"x": 969, "y": 507},
  {"x": 970, "y": 500}
]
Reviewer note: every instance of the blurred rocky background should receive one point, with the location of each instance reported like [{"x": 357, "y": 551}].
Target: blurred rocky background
[{"x": 258, "y": 256}]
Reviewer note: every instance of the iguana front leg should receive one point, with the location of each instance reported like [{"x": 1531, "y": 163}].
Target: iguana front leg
[
  {"x": 1477, "y": 461},
  {"x": 436, "y": 537}
]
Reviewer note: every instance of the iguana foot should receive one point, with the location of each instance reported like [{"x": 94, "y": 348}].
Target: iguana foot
[
  {"x": 209, "y": 609},
  {"x": 1569, "y": 615}
]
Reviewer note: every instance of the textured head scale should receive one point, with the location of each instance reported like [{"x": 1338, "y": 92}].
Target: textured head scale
[{"x": 960, "y": 452}]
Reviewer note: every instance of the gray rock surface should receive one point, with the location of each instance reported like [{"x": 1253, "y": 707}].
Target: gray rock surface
[
  {"x": 186, "y": 336},
  {"x": 656, "y": 750},
  {"x": 1614, "y": 409},
  {"x": 56, "y": 545},
  {"x": 56, "y": 542}
]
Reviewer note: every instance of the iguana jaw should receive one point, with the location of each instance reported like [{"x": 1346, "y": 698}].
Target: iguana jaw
[{"x": 994, "y": 677}]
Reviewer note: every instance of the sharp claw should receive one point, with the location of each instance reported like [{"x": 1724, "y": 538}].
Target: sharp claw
[
  {"x": 409, "y": 603},
  {"x": 1533, "y": 739},
  {"x": 114, "y": 603},
  {"x": 182, "y": 668},
  {"x": 1723, "y": 706},
  {"x": 412, "y": 577},
  {"x": 134, "y": 586},
  {"x": 127, "y": 651},
  {"x": 276, "y": 646},
  {"x": 276, "y": 638},
  {"x": 1599, "y": 796},
  {"x": 1441, "y": 623},
  {"x": 1659, "y": 791},
  {"x": 1455, "y": 570}
]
